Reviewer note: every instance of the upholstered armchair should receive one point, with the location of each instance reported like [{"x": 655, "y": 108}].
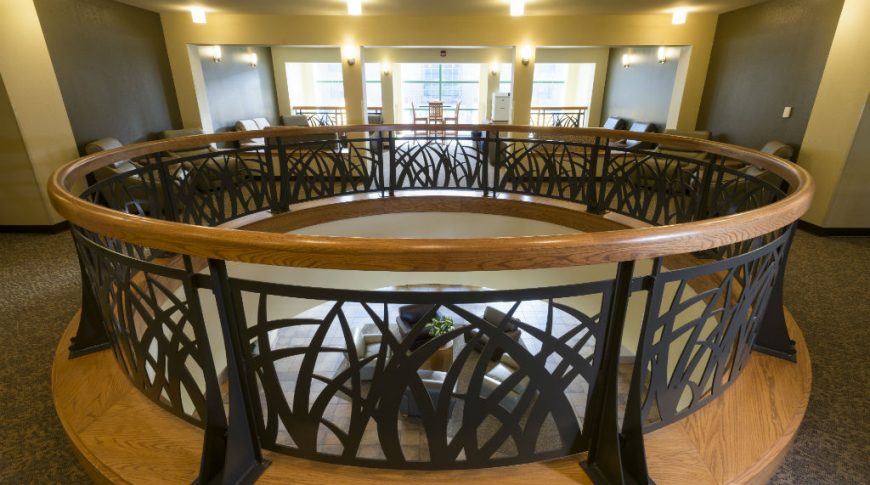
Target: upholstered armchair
[
  {"x": 132, "y": 195},
  {"x": 208, "y": 167},
  {"x": 433, "y": 381},
  {"x": 367, "y": 342},
  {"x": 675, "y": 176},
  {"x": 494, "y": 318},
  {"x": 497, "y": 376},
  {"x": 614, "y": 123},
  {"x": 636, "y": 127}
]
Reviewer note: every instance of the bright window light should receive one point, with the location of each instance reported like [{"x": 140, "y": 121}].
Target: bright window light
[
  {"x": 518, "y": 8},
  {"x": 198, "y": 15},
  {"x": 354, "y": 7},
  {"x": 679, "y": 17}
]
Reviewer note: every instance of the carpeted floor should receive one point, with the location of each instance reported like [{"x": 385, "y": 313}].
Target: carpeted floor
[{"x": 827, "y": 290}]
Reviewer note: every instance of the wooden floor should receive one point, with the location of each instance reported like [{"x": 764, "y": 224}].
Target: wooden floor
[{"x": 741, "y": 437}]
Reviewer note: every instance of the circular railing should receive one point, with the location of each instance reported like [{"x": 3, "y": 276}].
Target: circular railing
[{"x": 353, "y": 376}]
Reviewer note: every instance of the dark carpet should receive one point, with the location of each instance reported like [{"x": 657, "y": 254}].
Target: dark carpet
[{"x": 827, "y": 290}]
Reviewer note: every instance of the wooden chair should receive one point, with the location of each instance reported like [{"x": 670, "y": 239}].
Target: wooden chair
[
  {"x": 453, "y": 119},
  {"x": 436, "y": 112},
  {"x": 418, "y": 119}
]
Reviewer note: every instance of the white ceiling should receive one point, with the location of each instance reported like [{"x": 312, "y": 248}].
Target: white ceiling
[{"x": 443, "y": 7}]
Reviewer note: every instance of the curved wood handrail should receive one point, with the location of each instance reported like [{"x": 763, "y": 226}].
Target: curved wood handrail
[{"x": 526, "y": 252}]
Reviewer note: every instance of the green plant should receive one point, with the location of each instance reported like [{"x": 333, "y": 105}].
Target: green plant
[{"x": 439, "y": 326}]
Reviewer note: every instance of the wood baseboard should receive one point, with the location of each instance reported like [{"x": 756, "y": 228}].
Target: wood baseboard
[
  {"x": 35, "y": 228},
  {"x": 833, "y": 231}
]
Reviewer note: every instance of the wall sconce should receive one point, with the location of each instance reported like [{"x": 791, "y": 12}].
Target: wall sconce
[
  {"x": 662, "y": 55},
  {"x": 385, "y": 68},
  {"x": 252, "y": 59},
  {"x": 679, "y": 17},
  {"x": 518, "y": 8},
  {"x": 526, "y": 54},
  {"x": 198, "y": 15},
  {"x": 626, "y": 60},
  {"x": 349, "y": 52},
  {"x": 216, "y": 54},
  {"x": 493, "y": 69}
]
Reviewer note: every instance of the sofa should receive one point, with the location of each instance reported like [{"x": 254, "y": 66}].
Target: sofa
[
  {"x": 433, "y": 381},
  {"x": 412, "y": 315}
]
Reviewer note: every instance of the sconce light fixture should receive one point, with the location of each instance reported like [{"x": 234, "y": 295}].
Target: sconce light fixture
[
  {"x": 662, "y": 55},
  {"x": 385, "y": 68},
  {"x": 350, "y": 54},
  {"x": 216, "y": 54},
  {"x": 518, "y": 8},
  {"x": 526, "y": 54},
  {"x": 679, "y": 17},
  {"x": 626, "y": 60},
  {"x": 198, "y": 15},
  {"x": 354, "y": 7},
  {"x": 493, "y": 69},
  {"x": 252, "y": 59}
]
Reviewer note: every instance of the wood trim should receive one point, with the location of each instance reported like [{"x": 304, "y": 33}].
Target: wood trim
[
  {"x": 36, "y": 228},
  {"x": 833, "y": 231},
  {"x": 431, "y": 254},
  {"x": 741, "y": 437}
]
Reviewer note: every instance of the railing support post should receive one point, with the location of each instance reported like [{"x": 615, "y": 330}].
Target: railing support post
[
  {"x": 243, "y": 461},
  {"x": 773, "y": 338},
  {"x": 594, "y": 188},
  {"x": 392, "y": 162},
  {"x": 91, "y": 336},
  {"x": 610, "y": 458},
  {"x": 496, "y": 162}
]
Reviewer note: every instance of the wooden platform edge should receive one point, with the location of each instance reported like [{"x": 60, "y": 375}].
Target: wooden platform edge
[{"x": 95, "y": 403}]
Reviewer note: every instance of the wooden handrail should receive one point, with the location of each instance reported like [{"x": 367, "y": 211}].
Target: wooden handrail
[{"x": 502, "y": 253}]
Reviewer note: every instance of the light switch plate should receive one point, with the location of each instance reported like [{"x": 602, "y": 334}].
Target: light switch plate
[{"x": 786, "y": 112}]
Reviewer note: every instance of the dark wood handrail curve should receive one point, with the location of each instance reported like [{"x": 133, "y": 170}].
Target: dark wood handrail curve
[{"x": 501, "y": 253}]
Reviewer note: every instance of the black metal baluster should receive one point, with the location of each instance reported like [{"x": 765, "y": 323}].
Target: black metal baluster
[
  {"x": 284, "y": 172},
  {"x": 274, "y": 204},
  {"x": 392, "y": 165},
  {"x": 91, "y": 335},
  {"x": 496, "y": 164},
  {"x": 606, "y": 462},
  {"x": 214, "y": 442},
  {"x": 593, "y": 191},
  {"x": 772, "y": 337},
  {"x": 243, "y": 461}
]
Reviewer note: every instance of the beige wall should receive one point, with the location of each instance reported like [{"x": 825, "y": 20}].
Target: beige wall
[
  {"x": 835, "y": 118},
  {"x": 34, "y": 97},
  {"x": 439, "y": 31},
  {"x": 19, "y": 193},
  {"x": 851, "y": 200}
]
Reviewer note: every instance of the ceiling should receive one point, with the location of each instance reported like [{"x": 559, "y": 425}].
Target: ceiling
[{"x": 442, "y": 7}]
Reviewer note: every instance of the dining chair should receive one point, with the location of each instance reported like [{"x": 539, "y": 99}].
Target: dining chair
[
  {"x": 453, "y": 119},
  {"x": 436, "y": 112},
  {"x": 416, "y": 118}
]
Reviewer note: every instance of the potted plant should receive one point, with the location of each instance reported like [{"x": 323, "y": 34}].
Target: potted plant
[{"x": 439, "y": 326}]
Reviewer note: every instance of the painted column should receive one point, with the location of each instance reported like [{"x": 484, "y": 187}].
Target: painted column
[
  {"x": 354, "y": 85},
  {"x": 521, "y": 98},
  {"x": 35, "y": 98}
]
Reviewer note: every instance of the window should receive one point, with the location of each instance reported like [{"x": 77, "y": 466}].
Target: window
[
  {"x": 315, "y": 83},
  {"x": 549, "y": 85},
  {"x": 373, "y": 85},
  {"x": 450, "y": 83},
  {"x": 505, "y": 78}
]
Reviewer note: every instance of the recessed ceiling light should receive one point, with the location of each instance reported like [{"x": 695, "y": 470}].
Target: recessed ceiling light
[
  {"x": 679, "y": 17},
  {"x": 518, "y": 8},
  {"x": 354, "y": 7},
  {"x": 198, "y": 15}
]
